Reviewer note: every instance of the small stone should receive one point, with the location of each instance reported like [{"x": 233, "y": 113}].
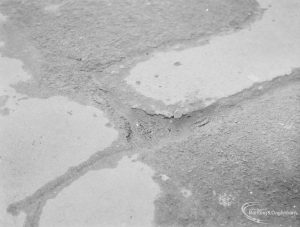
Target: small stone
[
  {"x": 177, "y": 63},
  {"x": 186, "y": 193},
  {"x": 177, "y": 114},
  {"x": 164, "y": 177},
  {"x": 226, "y": 200}
]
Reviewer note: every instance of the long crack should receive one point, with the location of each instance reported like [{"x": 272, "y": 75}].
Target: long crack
[
  {"x": 138, "y": 126},
  {"x": 194, "y": 119}
]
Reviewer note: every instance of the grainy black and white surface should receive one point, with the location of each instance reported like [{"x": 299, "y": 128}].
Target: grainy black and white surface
[{"x": 79, "y": 147}]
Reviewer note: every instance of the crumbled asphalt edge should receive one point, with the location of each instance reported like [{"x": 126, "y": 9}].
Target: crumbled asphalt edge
[
  {"x": 66, "y": 75},
  {"x": 133, "y": 130},
  {"x": 188, "y": 124},
  {"x": 30, "y": 222},
  {"x": 276, "y": 189},
  {"x": 69, "y": 79}
]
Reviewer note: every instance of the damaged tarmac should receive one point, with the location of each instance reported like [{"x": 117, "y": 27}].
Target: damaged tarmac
[{"x": 122, "y": 118}]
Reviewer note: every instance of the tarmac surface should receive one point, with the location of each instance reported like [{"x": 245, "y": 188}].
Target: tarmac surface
[{"x": 126, "y": 113}]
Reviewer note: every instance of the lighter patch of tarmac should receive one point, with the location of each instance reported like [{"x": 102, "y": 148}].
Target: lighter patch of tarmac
[
  {"x": 225, "y": 65},
  {"x": 109, "y": 197},
  {"x": 41, "y": 138},
  {"x": 65, "y": 187}
]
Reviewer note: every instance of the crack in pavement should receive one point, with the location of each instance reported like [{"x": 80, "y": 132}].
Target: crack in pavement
[{"x": 33, "y": 204}]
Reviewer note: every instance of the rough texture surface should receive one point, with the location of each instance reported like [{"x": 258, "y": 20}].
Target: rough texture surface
[
  {"x": 243, "y": 148},
  {"x": 248, "y": 153},
  {"x": 83, "y": 38}
]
